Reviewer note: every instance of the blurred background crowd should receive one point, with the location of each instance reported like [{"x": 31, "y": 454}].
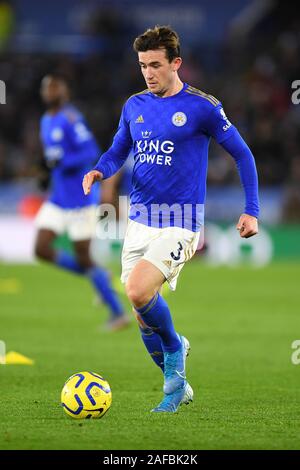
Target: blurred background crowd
[{"x": 246, "y": 54}]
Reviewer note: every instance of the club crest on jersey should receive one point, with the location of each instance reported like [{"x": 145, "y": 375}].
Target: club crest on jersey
[
  {"x": 146, "y": 134},
  {"x": 179, "y": 119}
]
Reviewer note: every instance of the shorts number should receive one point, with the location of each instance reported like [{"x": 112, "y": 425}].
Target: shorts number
[{"x": 177, "y": 257}]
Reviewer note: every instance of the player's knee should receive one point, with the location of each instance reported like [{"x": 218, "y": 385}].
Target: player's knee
[{"x": 138, "y": 295}]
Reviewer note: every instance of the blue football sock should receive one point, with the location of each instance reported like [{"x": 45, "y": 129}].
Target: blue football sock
[
  {"x": 157, "y": 316},
  {"x": 153, "y": 345},
  {"x": 102, "y": 283},
  {"x": 69, "y": 262}
]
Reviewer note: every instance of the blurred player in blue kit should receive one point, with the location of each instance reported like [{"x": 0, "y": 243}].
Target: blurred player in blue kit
[
  {"x": 169, "y": 126},
  {"x": 69, "y": 150}
]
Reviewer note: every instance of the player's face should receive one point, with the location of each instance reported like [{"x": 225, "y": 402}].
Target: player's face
[
  {"x": 53, "y": 91},
  {"x": 158, "y": 72}
]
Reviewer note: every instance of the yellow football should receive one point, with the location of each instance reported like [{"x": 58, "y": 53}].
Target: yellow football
[{"x": 86, "y": 395}]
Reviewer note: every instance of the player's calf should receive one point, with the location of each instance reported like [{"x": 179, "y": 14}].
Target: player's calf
[
  {"x": 82, "y": 254},
  {"x": 44, "y": 252},
  {"x": 43, "y": 245}
]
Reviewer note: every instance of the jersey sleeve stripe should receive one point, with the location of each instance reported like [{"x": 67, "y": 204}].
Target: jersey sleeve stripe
[
  {"x": 196, "y": 92},
  {"x": 202, "y": 93},
  {"x": 140, "y": 93}
]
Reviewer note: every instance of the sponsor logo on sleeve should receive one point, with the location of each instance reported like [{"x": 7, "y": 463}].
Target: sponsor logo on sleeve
[{"x": 228, "y": 123}]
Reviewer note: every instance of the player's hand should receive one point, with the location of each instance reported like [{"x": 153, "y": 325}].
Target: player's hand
[
  {"x": 247, "y": 226},
  {"x": 89, "y": 179}
]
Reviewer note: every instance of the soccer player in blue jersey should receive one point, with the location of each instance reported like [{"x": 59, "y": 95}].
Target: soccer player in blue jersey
[
  {"x": 169, "y": 126},
  {"x": 70, "y": 149}
]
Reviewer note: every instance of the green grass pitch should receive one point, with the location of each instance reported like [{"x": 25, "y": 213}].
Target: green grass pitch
[{"x": 241, "y": 323}]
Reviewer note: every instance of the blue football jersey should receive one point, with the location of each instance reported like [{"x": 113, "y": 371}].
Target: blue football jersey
[
  {"x": 69, "y": 149},
  {"x": 170, "y": 139}
]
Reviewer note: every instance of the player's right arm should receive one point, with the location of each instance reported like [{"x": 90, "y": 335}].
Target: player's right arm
[
  {"x": 89, "y": 179},
  {"x": 112, "y": 160}
]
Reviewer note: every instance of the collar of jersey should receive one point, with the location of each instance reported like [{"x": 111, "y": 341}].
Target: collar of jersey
[{"x": 185, "y": 85}]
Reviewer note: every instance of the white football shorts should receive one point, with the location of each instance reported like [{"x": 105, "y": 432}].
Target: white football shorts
[
  {"x": 79, "y": 224},
  {"x": 166, "y": 248}
]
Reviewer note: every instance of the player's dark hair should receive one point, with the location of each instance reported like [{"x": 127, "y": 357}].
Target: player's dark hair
[{"x": 160, "y": 37}]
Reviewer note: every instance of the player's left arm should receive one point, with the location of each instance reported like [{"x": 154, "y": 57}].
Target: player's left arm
[
  {"x": 228, "y": 136},
  {"x": 247, "y": 226},
  {"x": 239, "y": 150}
]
